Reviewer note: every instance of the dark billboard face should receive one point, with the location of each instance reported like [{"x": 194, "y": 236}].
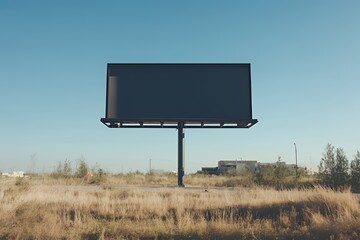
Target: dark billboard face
[{"x": 179, "y": 92}]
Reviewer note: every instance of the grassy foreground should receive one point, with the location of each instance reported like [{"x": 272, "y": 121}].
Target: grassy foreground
[{"x": 35, "y": 210}]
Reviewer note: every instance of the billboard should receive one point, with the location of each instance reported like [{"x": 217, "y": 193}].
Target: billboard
[{"x": 161, "y": 94}]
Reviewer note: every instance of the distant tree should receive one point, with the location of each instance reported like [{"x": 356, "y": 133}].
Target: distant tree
[
  {"x": 67, "y": 171},
  {"x": 334, "y": 167},
  {"x": 327, "y": 166},
  {"x": 58, "y": 171},
  {"x": 355, "y": 172},
  {"x": 280, "y": 173},
  {"x": 341, "y": 177},
  {"x": 272, "y": 174},
  {"x": 266, "y": 175},
  {"x": 82, "y": 169},
  {"x": 247, "y": 176}
]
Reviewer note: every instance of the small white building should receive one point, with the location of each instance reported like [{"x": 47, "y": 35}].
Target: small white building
[{"x": 14, "y": 174}]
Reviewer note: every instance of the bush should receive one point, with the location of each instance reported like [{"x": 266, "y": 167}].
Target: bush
[
  {"x": 20, "y": 181},
  {"x": 98, "y": 177},
  {"x": 82, "y": 169},
  {"x": 63, "y": 171}
]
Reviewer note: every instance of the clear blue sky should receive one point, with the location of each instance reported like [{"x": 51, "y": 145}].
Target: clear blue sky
[{"x": 305, "y": 58}]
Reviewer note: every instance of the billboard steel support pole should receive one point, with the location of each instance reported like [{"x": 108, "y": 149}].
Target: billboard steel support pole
[{"x": 181, "y": 141}]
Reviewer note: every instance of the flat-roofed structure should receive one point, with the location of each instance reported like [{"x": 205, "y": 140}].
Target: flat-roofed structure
[{"x": 225, "y": 166}]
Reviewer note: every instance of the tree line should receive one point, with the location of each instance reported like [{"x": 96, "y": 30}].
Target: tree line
[
  {"x": 82, "y": 171},
  {"x": 336, "y": 171},
  {"x": 279, "y": 175}
]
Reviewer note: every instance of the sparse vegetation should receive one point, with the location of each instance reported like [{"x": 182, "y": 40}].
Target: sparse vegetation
[
  {"x": 336, "y": 172},
  {"x": 42, "y": 211},
  {"x": 82, "y": 169},
  {"x": 82, "y": 174},
  {"x": 20, "y": 181},
  {"x": 88, "y": 203}
]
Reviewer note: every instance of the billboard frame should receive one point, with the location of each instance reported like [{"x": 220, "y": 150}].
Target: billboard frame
[
  {"x": 173, "y": 123},
  {"x": 179, "y": 123}
]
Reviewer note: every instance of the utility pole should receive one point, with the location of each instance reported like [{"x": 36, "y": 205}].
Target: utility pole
[
  {"x": 150, "y": 166},
  {"x": 296, "y": 165}
]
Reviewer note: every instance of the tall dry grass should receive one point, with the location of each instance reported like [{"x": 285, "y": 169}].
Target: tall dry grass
[
  {"x": 168, "y": 179},
  {"x": 32, "y": 210}
]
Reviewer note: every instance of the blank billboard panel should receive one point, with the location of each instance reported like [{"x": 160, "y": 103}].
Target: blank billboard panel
[{"x": 178, "y": 93}]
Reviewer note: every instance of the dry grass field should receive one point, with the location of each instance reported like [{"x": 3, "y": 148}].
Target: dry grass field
[{"x": 45, "y": 208}]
